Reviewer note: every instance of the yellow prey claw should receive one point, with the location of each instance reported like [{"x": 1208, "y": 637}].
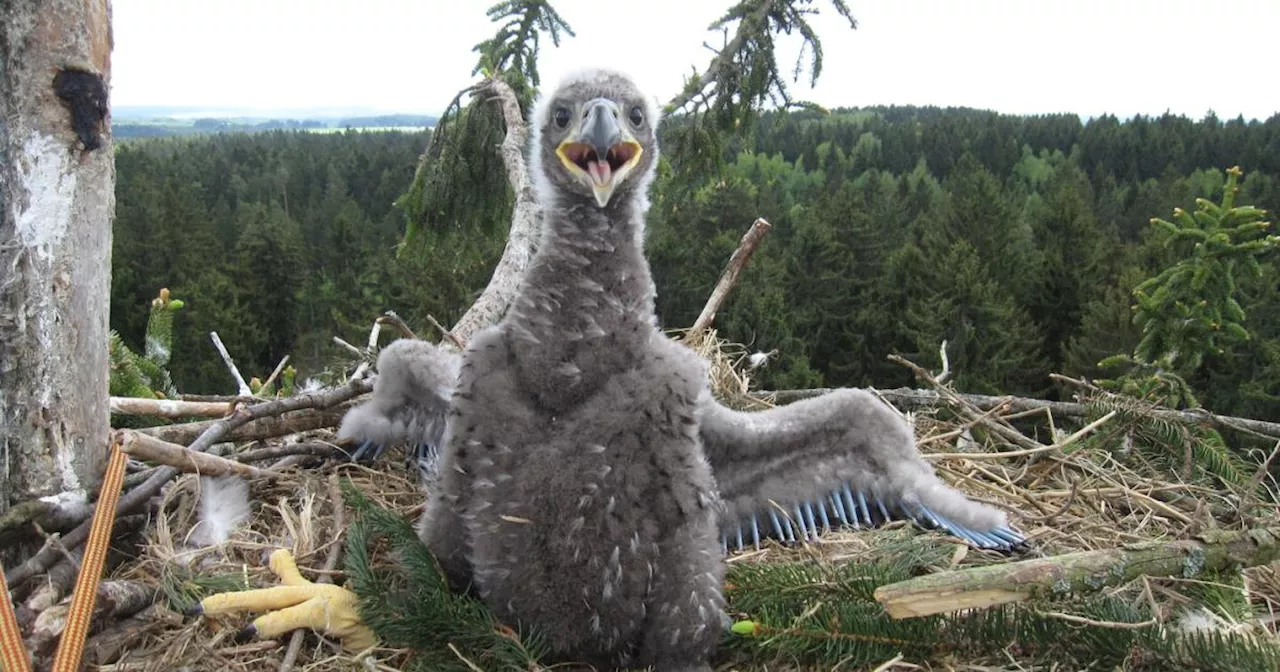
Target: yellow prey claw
[{"x": 299, "y": 603}]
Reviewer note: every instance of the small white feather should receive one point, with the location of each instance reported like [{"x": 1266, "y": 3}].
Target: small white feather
[
  {"x": 224, "y": 504},
  {"x": 758, "y": 359}
]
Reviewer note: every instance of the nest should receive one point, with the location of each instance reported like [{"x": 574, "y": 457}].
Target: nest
[{"x": 1086, "y": 494}]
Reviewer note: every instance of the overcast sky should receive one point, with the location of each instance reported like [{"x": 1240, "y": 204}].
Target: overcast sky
[{"x": 1018, "y": 56}]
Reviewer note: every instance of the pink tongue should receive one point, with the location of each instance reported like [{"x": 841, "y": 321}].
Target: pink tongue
[{"x": 600, "y": 172}]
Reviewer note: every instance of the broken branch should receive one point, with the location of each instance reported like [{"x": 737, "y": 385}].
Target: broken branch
[
  {"x": 729, "y": 277},
  {"x": 184, "y": 459},
  {"x": 242, "y": 386},
  {"x": 1086, "y": 571},
  {"x": 292, "y": 422},
  {"x": 914, "y": 398},
  {"x": 525, "y": 219}
]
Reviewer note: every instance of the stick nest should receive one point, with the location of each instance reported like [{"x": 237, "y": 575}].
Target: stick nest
[{"x": 1095, "y": 492}]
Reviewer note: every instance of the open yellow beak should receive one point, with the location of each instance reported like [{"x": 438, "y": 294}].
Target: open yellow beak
[{"x": 600, "y": 151}]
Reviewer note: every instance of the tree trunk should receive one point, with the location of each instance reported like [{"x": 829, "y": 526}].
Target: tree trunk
[{"x": 57, "y": 201}]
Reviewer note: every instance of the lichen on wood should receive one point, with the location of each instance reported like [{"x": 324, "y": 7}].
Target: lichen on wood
[
  {"x": 57, "y": 200},
  {"x": 1081, "y": 572}
]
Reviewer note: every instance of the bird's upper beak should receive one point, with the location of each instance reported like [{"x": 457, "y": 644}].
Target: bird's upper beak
[{"x": 599, "y": 150}]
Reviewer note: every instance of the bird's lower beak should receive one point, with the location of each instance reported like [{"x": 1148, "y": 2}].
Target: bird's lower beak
[{"x": 600, "y": 151}]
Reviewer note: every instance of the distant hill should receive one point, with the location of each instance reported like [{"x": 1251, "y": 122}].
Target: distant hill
[{"x": 140, "y": 123}]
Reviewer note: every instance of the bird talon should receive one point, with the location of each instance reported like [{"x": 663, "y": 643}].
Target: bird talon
[
  {"x": 297, "y": 603},
  {"x": 246, "y": 634},
  {"x": 368, "y": 451}
]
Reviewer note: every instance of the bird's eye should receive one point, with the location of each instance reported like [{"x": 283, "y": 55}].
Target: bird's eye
[
  {"x": 637, "y": 116},
  {"x": 562, "y": 117}
]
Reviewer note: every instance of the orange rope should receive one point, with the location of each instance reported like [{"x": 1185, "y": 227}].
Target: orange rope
[
  {"x": 13, "y": 653},
  {"x": 71, "y": 643}
]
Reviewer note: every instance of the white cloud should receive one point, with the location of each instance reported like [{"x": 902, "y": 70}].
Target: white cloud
[{"x": 1019, "y": 56}]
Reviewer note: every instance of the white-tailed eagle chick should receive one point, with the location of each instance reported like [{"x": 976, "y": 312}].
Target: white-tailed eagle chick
[{"x": 587, "y": 478}]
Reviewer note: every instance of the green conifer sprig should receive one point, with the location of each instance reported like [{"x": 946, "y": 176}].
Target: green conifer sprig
[
  {"x": 146, "y": 376},
  {"x": 1165, "y": 441},
  {"x": 1190, "y": 309},
  {"x": 809, "y": 614},
  {"x": 409, "y": 604}
]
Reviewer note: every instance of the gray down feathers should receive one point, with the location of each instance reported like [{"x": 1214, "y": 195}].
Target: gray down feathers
[
  {"x": 410, "y": 396},
  {"x": 586, "y": 472}
]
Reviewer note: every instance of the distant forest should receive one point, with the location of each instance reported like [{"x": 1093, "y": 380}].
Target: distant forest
[
  {"x": 129, "y": 129},
  {"x": 1017, "y": 239}
]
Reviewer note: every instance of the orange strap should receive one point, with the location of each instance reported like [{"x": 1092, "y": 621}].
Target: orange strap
[
  {"x": 13, "y": 654},
  {"x": 71, "y": 643}
]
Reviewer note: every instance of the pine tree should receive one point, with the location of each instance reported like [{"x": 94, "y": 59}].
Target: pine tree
[
  {"x": 1191, "y": 308},
  {"x": 992, "y": 344},
  {"x": 1076, "y": 255},
  {"x": 980, "y": 211},
  {"x": 269, "y": 273}
]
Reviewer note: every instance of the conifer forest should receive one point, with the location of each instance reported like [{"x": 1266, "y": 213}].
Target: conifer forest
[{"x": 1017, "y": 240}]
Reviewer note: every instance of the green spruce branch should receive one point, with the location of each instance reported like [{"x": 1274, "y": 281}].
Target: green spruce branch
[
  {"x": 823, "y": 614},
  {"x": 146, "y": 376},
  {"x": 1187, "y": 312},
  {"x": 409, "y": 604}
]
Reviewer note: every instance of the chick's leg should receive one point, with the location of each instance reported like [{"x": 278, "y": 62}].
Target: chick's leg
[
  {"x": 686, "y": 616},
  {"x": 298, "y": 603}
]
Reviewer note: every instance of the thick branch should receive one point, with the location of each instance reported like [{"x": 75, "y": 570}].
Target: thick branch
[
  {"x": 184, "y": 459},
  {"x": 729, "y": 277},
  {"x": 913, "y": 398},
  {"x": 168, "y": 408},
  {"x": 1086, "y": 571},
  {"x": 293, "y": 422},
  {"x": 525, "y": 221}
]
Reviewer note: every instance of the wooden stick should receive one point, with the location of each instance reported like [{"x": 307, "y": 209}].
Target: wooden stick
[
  {"x": 115, "y": 600},
  {"x": 231, "y": 364},
  {"x": 184, "y": 459},
  {"x": 392, "y": 319},
  {"x": 268, "y": 427},
  {"x": 1023, "y": 453},
  {"x": 122, "y": 636},
  {"x": 310, "y": 448},
  {"x": 971, "y": 412},
  {"x": 444, "y": 330},
  {"x": 276, "y": 373},
  {"x": 216, "y": 432},
  {"x": 169, "y": 408},
  {"x": 915, "y": 398},
  {"x": 1085, "y": 571},
  {"x": 729, "y": 277}
]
